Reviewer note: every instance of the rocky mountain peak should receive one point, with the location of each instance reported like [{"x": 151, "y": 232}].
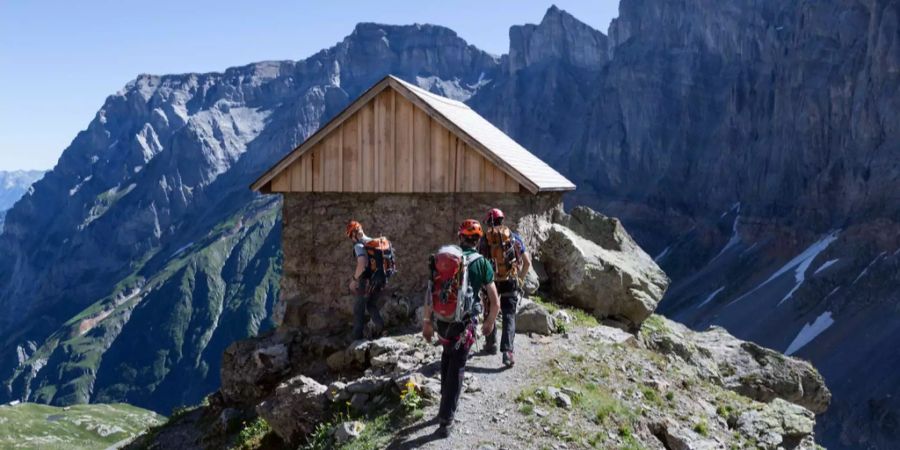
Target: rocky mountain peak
[{"x": 559, "y": 37}]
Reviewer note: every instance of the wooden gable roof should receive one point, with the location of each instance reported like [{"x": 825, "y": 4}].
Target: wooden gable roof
[{"x": 397, "y": 137}]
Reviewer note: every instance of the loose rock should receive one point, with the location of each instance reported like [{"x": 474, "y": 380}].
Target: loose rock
[
  {"x": 348, "y": 431},
  {"x": 295, "y": 408},
  {"x": 534, "y": 318}
]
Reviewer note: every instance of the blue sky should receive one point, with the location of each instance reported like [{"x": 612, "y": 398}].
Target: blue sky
[{"x": 60, "y": 59}]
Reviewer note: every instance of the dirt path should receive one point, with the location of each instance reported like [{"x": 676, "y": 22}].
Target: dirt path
[{"x": 487, "y": 417}]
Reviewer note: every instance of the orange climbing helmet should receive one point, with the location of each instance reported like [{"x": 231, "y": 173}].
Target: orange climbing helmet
[
  {"x": 470, "y": 228},
  {"x": 353, "y": 227}
]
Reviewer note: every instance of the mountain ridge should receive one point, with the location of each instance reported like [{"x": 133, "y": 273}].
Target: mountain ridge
[{"x": 722, "y": 70}]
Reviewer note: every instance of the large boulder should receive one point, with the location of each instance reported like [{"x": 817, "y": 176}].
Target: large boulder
[
  {"x": 295, "y": 408},
  {"x": 252, "y": 367},
  {"x": 743, "y": 367},
  {"x": 601, "y": 269}
]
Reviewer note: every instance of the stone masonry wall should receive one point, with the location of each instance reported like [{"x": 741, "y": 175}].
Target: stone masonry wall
[{"x": 318, "y": 261}]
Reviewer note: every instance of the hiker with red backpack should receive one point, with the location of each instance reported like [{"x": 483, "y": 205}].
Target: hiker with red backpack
[
  {"x": 510, "y": 259},
  {"x": 374, "y": 265},
  {"x": 452, "y": 308}
]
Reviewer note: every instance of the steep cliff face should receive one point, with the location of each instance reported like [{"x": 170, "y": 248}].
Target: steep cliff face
[
  {"x": 145, "y": 236},
  {"x": 13, "y": 185},
  {"x": 734, "y": 140}
]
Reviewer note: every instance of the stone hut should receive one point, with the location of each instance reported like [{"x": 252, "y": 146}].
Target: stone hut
[{"x": 409, "y": 165}]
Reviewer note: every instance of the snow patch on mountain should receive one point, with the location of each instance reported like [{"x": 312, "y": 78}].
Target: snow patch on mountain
[
  {"x": 866, "y": 270},
  {"x": 803, "y": 261},
  {"x": 662, "y": 254},
  {"x": 810, "y": 331},
  {"x": 826, "y": 265},
  {"x": 799, "y": 264},
  {"x": 711, "y": 296},
  {"x": 735, "y": 238},
  {"x": 77, "y": 187}
]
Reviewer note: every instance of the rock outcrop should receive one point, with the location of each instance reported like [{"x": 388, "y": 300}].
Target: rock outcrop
[
  {"x": 295, "y": 408},
  {"x": 743, "y": 367},
  {"x": 252, "y": 367}
]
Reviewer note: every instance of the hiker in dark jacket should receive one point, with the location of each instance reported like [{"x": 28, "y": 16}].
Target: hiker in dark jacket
[
  {"x": 365, "y": 284},
  {"x": 509, "y": 257},
  {"x": 457, "y": 336}
]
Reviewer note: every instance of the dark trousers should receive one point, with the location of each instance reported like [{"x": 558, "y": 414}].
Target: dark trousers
[
  {"x": 509, "y": 300},
  {"x": 453, "y": 367},
  {"x": 366, "y": 299}
]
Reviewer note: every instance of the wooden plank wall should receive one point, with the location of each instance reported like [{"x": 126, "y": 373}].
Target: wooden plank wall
[{"x": 390, "y": 145}]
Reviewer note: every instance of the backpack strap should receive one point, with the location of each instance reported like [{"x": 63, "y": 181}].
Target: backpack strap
[{"x": 472, "y": 258}]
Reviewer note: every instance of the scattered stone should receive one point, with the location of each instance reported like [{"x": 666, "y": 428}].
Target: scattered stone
[
  {"x": 339, "y": 361},
  {"x": 348, "y": 431},
  {"x": 561, "y": 398},
  {"x": 561, "y": 316},
  {"x": 534, "y": 318},
  {"x": 540, "y": 412},
  {"x": 358, "y": 401},
  {"x": 676, "y": 437},
  {"x": 228, "y": 420},
  {"x": 779, "y": 424},
  {"x": 294, "y": 408},
  {"x": 366, "y": 385},
  {"x": 337, "y": 392},
  {"x": 612, "y": 336}
]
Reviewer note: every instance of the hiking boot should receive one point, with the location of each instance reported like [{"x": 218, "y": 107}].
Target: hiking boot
[
  {"x": 508, "y": 359},
  {"x": 490, "y": 350},
  {"x": 444, "y": 430}
]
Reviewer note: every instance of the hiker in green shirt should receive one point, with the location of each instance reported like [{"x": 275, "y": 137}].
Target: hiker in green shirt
[{"x": 452, "y": 308}]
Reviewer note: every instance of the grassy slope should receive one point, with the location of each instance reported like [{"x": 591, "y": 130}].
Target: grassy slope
[
  {"x": 196, "y": 302},
  {"x": 31, "y": 425}
]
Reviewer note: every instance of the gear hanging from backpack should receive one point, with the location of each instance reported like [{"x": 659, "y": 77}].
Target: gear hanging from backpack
[
  {"x": 381, "y": 264},
  {"x": 502, "y": 250},
  {"x": 452, "y": 298}
]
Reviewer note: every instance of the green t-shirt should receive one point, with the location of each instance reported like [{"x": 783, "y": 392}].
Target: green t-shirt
[{"x": 480, "y": 271}]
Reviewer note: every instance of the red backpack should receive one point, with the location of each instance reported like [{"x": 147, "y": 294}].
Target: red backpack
[{"x": 451, "y": 295}]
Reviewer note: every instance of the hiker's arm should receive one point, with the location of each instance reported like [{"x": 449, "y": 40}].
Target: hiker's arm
[
  {"x": 427, "y": 327},
  {"x": 361, "y": 262},
  {"x": 494, "y": 298},
  {"x": 526, "y": 264}
]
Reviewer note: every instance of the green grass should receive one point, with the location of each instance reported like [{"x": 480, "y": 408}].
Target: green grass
[
  {"x": 702, "y": 428},
  {"x": 252, "y": 434},
  {"x": 580, "y": 317},
  {"x": 31, "y": 425}
]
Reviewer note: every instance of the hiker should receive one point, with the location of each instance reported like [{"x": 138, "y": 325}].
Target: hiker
[
  {"x": 510, "y": 259},
  {"x": 374, "y": 265},
  {"x": 452, "y": 308}
]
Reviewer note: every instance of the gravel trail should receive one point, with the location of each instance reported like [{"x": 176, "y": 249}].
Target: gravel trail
[{"x": 487, "y": 417}]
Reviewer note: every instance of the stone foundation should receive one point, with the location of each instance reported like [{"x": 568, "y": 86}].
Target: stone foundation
[{"x": 318, "y": 258}]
